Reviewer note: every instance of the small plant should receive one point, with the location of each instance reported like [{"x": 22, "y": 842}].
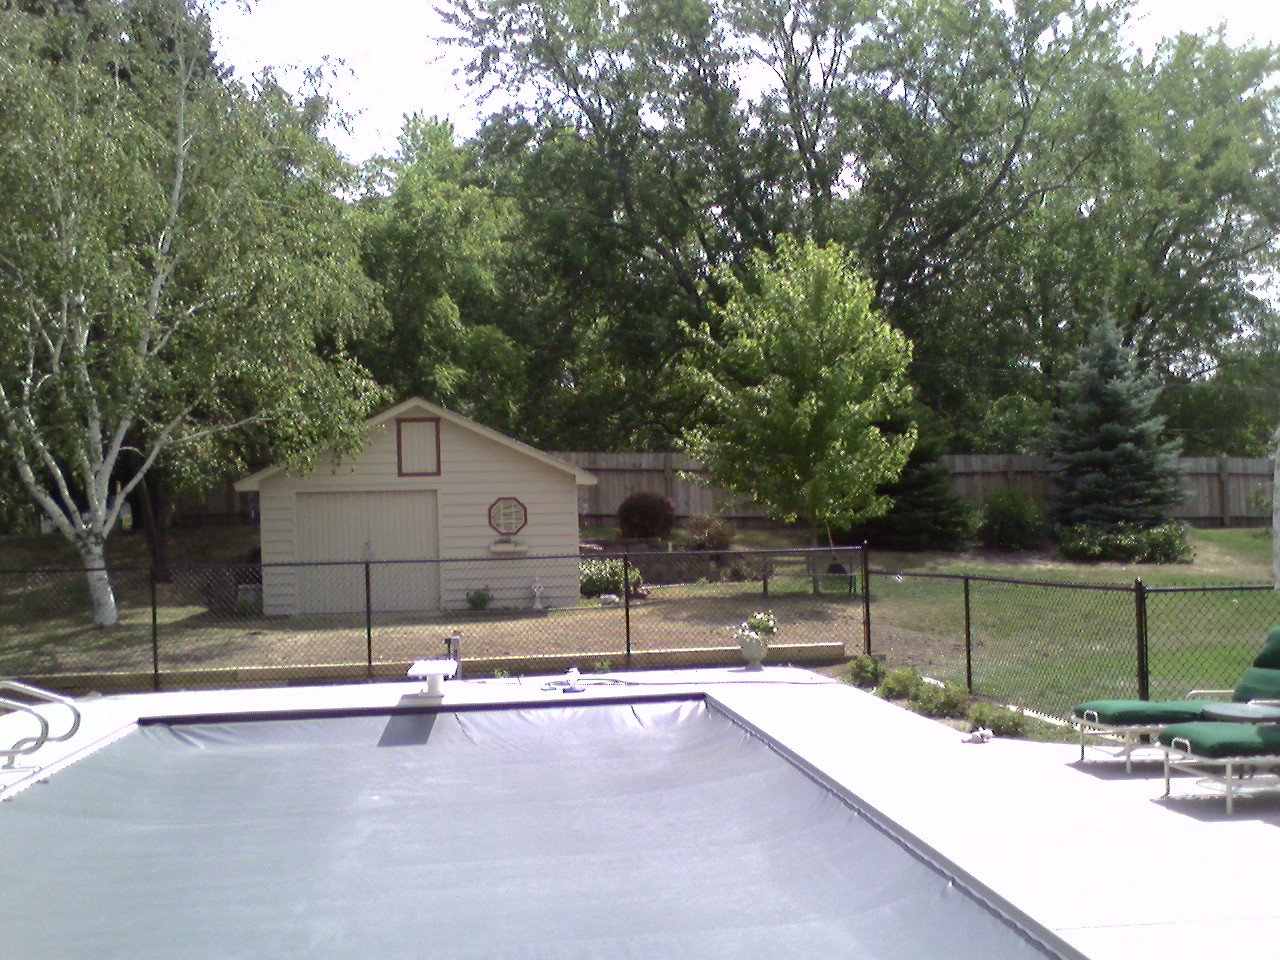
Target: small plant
[
  {"x": 501, "y": 674},
  {"x": 1001, "y": 721},
  {"x": 602, "y": 666},
  {"x": 480, "y": 598},
  {"x": 947, "y": 700},
  {"x": 865, "y": 671},
  {"x": 761, "y": 625},
  {"x": 704, "y": 532},
  {"x": 1126, "y": 543},
  {"x": 900, "y": 683},
  {"x": 605, "y": 576},
  {"x": 645, "y": 515},
  {"x": 1011, "y": 521}
]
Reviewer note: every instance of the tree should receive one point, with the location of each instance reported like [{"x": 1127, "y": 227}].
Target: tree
[
  {"x": 435, "y": 241},
  {"x": 174, "y": 265},
  {"x": 798, "y": 381},
  {"x": 1116, "y": 469},
  {"x": 926, "y": 514}
]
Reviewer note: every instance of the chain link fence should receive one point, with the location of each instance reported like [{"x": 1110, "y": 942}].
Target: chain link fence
[
  {"x": 1036, "y": 644},
  {"x": 1048, "y": 646},
  {"x": 209, "y": 626}
]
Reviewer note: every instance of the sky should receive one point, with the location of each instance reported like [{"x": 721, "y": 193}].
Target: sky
[{"x": 387, "y": 61}]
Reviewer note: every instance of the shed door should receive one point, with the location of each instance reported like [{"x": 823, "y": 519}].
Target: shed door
[{"x": 381, "y": 525}]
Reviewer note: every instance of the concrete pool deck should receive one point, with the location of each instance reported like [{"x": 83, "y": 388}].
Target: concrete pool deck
[{"x": 1091, "y": 853}]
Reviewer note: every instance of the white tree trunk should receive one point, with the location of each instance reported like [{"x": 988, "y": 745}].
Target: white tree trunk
[{"x": 105, "y": 612}]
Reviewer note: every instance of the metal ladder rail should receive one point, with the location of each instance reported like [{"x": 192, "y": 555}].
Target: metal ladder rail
[
  {"x": 23, "y": 745},
  {"x": 30, "y": 744}
]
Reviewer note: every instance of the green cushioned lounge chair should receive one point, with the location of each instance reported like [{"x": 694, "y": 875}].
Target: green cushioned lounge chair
[
  {"x": 1224, "y": 752},
  {"x": 1123, "y": 726}
]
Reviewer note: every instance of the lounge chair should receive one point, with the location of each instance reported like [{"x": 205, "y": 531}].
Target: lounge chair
[
  {"x": 1129, "y": 725},
  {"x": 1222, "y": 751}
]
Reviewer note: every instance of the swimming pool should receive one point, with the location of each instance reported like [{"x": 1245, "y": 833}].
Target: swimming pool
[{"x": 625, "y": 826}]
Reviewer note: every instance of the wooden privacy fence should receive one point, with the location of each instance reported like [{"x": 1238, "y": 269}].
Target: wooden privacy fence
[{"x": 1221, "y": 491}]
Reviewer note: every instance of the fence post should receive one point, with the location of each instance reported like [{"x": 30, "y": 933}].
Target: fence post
[
  {"x": 1140, "y": 617},
  {"x": 866, "y": 602},
  {"x": 968, "y": 640},
  {"x": 155, "y": 632},
  {"x": 368, "y": 619},
  {"x": 626, "y": 604}
]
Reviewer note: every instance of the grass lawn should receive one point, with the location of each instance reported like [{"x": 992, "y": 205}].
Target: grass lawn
[{"x": 1046, "y": 646}]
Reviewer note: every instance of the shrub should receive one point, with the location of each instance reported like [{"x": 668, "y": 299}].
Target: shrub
[
  {"x": 1001, "y": 721},
  {"x": 1011, "y": 521},
  {"x": 1125, "y": 543},
  {"x": 865, "y": 671},
  {"x": 900, "y": 683},
  {"x": 605, "y": 576},
  {"x": 645, "y": 515},
  {"x": 708, "y": 533},
  {"x": 947, "y": 700},
  {"x": 480, "y": 598}
]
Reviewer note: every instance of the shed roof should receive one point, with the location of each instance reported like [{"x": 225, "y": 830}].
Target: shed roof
[{"x": 416, "y": 405}]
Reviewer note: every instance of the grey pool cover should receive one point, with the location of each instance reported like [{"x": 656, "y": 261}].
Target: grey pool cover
[{"x": 651, "y": 829}]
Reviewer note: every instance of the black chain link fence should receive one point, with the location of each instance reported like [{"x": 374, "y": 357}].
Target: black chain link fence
[
  {"x": 210, "y": 626},
  {"x": 1031, "y": 643},
  {"x": 1048, "y": 646}
]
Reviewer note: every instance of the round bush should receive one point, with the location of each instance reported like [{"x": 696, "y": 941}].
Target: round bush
[
  {"x": 865, "y": 672},
  {"x": 1011, "y": 521},
  {"x": 900, "y": 683},
  {"x": 1001, "y": 721},
  {"x": 645, "y": 516},
  {"x": 708, "y": 533},
  {"x": 605, "y": 576},
  {"x": 947, "y": 700}
]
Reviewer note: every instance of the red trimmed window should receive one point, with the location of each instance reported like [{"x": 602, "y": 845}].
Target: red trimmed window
[
  {"x": 418, "y": 447},
  {"x": 508, "y": 516}
]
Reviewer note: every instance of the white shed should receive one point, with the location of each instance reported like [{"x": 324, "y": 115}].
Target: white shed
[{"x": 428, "y": 485}]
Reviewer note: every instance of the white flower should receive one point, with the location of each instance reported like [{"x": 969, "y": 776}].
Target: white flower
[{"x": 760, "y": 626}]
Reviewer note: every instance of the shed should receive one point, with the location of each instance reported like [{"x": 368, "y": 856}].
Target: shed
[{"x": 434, "y": 507}]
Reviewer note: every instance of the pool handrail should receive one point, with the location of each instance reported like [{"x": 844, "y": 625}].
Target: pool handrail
[
  {"x": 30, "y": 744},
  {"x": 23, "y": 745}
]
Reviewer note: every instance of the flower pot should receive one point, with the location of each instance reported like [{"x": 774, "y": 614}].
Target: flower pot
[{"x": 753, "y": 651}]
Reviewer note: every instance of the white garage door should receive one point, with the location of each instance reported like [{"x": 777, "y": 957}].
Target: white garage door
[{"x": 381, "y": 525}]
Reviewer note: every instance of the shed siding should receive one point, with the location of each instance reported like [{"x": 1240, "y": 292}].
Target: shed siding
[{"x": 474, "y": 472}]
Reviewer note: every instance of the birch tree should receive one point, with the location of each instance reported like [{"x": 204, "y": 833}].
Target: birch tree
[{"x": 172, "y": 265}]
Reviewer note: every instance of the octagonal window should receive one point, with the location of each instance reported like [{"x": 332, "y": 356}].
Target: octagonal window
[{"x": 508, "y": 516}]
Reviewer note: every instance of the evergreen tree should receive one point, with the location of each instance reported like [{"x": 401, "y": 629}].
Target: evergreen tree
[
  {"x": 926, "y": 514},
  {"x": 1115, "y": 467}
]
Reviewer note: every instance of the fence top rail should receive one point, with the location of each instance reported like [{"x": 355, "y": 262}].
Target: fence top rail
[
  {"x": 977, "y": 578},
  {"x": 1212, "y": 588},
  {"x": 731, "y": 552}
]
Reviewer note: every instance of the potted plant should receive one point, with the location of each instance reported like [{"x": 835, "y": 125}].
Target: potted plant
[{"x": 753, "y": 636}]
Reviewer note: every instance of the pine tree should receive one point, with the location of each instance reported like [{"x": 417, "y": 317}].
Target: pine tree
[
  {"x": 926, "y": 514},
  {"x": 1115, "y": 468}
]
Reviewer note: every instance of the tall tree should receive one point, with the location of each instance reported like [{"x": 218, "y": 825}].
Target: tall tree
[
  {"x": 1116, "y": 469},
  {"x": 435, "y": 241},
  {"x": 169, "y": 271},
  {"x": 798, "y": 384}
]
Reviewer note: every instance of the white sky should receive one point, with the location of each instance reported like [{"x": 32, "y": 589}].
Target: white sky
[{"x": 388, "y": 64}]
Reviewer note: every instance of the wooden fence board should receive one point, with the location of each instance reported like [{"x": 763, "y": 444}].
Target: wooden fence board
[{"x": 1221, "y": 491}]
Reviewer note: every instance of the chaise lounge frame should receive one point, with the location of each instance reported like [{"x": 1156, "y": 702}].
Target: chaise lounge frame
[
  {"x": 1120, "y": 740},
  {"x": 1226, "y": 771}
]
